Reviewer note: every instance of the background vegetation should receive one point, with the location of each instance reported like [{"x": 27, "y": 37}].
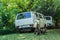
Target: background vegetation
[{"x": 9, "y": 9}]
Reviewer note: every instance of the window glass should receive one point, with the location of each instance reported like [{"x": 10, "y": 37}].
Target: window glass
[
  {"x": 20, "y": 16},
  {"x": 40, "y": 16},
  {"x": 48, "y": 18},
  {"x": 25, "y": 15}
]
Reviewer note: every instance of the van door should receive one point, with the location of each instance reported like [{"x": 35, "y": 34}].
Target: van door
[{"x": 42, "y": 21}]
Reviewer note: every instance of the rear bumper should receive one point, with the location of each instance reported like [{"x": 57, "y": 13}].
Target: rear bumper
[{"x": 25, "y": 28}]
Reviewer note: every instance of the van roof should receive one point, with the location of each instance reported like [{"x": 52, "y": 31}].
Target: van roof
[{"x": 30, "y": 12}]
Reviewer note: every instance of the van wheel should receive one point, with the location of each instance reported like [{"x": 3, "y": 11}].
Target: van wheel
[
  {"x": 43, "y": 30},
  {"x": 37, "y": 32},
  {"x": 32, "y": 30}
]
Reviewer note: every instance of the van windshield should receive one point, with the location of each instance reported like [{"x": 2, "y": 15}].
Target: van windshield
[
  {"x": 25, "y": 15},
  {"x": 48, "y": 18}
]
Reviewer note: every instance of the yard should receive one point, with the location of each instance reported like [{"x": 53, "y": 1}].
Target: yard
[{"x": 50, "y": 35}]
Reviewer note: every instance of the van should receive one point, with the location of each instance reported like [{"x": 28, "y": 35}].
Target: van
[
  {"x": 29, "y": 20},
  {"x": 49, "y": 21}
]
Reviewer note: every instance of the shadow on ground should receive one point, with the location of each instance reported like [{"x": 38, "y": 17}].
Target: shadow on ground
[{"x": 7, "y": 32}]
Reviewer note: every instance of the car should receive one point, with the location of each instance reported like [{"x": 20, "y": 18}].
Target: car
[
  {"x": 29, "y": 20},
  {"x": 50, "y": 21}
]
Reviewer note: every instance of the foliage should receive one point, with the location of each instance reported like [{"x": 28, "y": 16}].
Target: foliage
[
  {"x": 50, "y": 35},
  {"x": 9, "y": 9}
]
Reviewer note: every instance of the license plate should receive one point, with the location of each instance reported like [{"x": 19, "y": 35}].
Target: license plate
[
  {"x": 22, "y": 26},
  {"x": 26, "y": 26}
]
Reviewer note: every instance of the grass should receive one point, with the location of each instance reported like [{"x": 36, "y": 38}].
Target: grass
[{"x": 50, "y": 35}]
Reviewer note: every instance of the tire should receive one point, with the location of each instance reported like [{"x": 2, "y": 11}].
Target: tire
[
  {"x": 37, "y": 33},
  {"x": 32, "y": 30},
  {"x": 20, "y": 31},
  {"x": 43, "y": 30}
]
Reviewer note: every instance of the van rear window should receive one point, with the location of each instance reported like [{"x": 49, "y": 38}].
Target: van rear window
[
  {"x": 27, "y": 15},
  {"x": 20, "y": 16},
  {"x": 24, "y": 15}
]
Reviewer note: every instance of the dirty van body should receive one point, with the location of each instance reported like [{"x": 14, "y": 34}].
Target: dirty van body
[
  {"x": 24, "y": 21},
  {"x": 50, "y": 22},
  {"x": 40, "y": 26},
  {"x": 29, "y": 20}
]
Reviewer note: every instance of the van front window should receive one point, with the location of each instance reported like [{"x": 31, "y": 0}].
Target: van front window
[{"x": 48, "y": 18}]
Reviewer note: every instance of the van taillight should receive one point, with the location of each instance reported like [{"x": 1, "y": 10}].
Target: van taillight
[{"x": 17, "y": 27}]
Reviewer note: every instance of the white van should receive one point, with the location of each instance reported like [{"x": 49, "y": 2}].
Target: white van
[
  {"x": 29, "y": 20},
  {"x": 49, "y": 21}
]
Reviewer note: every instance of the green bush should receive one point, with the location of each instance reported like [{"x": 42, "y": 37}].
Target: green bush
[{"x": 9, "y": 9}]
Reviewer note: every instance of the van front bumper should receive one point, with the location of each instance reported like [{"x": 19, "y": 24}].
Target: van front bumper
[{"x": 48, "y": 25}]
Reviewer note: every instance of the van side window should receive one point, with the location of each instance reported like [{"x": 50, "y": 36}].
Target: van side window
[
  {"x": 40, "y": 16},
  {"x": 36, "y": 14}
]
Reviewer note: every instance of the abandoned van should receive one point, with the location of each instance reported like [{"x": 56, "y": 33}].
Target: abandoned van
[
  {"x": 49, "y": 21},
  {"x": 29, "y": 20}
]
